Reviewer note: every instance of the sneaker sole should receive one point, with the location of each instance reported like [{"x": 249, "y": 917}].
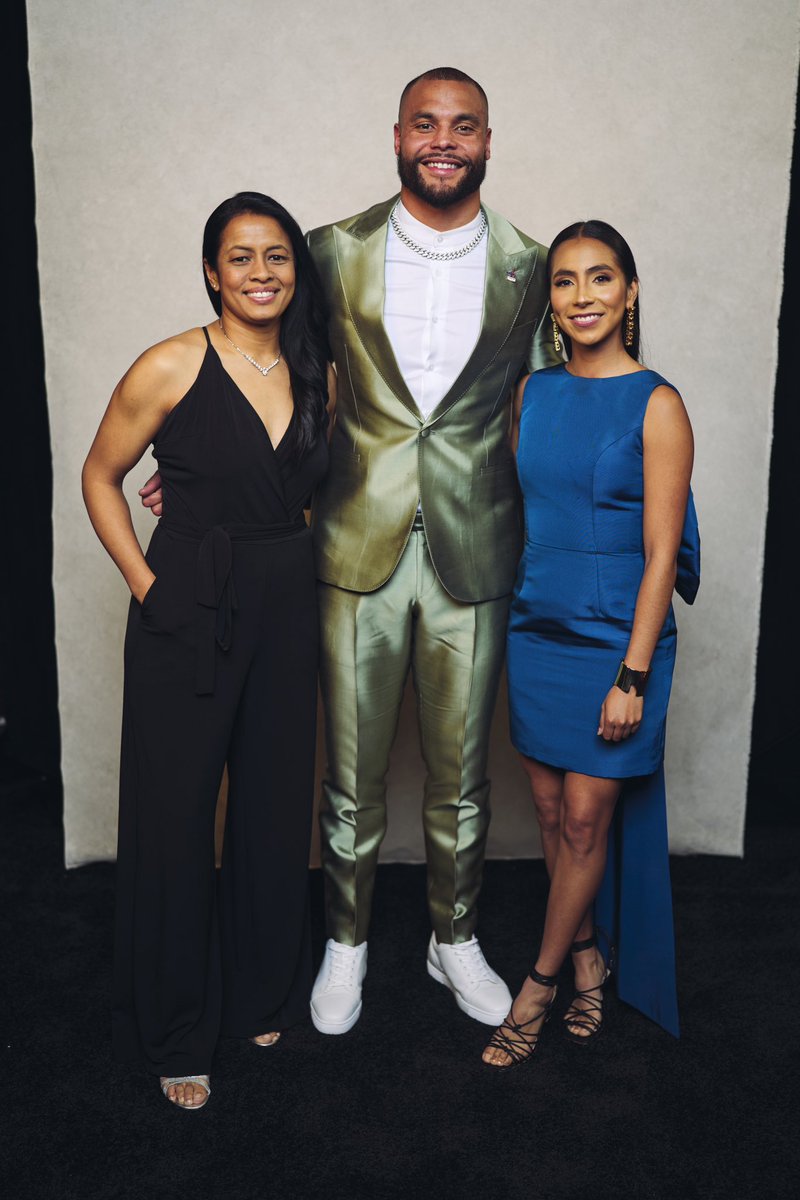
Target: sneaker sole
[
  {"x": 335, "y": 1027},
  {"x": 477, "y": 1014}
]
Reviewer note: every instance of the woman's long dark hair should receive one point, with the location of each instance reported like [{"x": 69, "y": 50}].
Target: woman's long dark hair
[
  {"x": 304, "y": 325},
  {"x": 601, "y": 231}
]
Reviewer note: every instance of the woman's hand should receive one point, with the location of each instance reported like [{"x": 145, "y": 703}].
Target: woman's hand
[{"x": 621, "y": 715}]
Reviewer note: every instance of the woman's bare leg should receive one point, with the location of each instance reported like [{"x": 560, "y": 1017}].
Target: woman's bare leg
[
  {"x": 587, "y": 813},
  {"x": 547, "y": 785},
  {"x": 586, "y": 808}
]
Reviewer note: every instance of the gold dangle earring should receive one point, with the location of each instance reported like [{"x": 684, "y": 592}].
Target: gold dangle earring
[
  {"x": 556, "y": 333},
  {"x": 629, "y": 328}
]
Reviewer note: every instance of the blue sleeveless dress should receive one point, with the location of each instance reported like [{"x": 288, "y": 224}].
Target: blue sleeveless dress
[{"x": 580, "y": 468}]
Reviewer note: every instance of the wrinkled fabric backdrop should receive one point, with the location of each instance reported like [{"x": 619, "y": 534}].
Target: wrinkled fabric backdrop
[{"x": 673, "y": 122}]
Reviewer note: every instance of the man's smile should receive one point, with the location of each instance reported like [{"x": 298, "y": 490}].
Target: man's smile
[{"x": 442, "y": 166}]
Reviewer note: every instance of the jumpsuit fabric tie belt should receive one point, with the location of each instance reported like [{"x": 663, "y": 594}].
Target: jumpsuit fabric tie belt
[{"x": 215, "y": 592}]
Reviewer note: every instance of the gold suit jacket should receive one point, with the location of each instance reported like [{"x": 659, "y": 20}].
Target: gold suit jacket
[{"x": 386, "y": 456}]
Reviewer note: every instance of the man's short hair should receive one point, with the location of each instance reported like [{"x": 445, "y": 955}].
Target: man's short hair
[{"x": 446, "y": 75}]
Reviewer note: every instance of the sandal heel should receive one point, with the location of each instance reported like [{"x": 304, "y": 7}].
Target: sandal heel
[{"x": 589, "y": 1018}]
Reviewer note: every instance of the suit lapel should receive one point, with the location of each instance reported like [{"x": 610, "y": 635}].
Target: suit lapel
[
  {"x": 360, "y": 256},
  {"x": 509, "y": 271}
]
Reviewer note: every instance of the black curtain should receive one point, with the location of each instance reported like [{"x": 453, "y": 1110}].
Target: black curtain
[
  {"x": 29, "y": 732},
  {"x": 773, "y": 791}
]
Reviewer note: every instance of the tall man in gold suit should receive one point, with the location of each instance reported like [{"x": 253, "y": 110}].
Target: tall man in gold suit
[{"x": 438, "y": 306}]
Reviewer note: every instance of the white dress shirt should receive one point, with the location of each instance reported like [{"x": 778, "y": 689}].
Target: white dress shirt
[{"x": 433, "y": 310}]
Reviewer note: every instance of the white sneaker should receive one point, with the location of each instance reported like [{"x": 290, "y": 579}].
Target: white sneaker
[
  {"x": 336, "y": 995},
  {"x": 479, "y": 991}
]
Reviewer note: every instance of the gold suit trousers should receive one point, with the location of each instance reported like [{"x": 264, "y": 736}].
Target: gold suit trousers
[{"x": 454, "y": 650}]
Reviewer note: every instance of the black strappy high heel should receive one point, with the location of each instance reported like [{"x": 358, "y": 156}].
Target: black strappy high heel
[
  {"x": 589, "y": 1018},
  {"x": 512, "y": 1037}
]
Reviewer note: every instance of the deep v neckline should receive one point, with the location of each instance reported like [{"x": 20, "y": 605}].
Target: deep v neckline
[{"x": 274, "y": 446}]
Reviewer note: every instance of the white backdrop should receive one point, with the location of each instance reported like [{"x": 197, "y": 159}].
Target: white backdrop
[{"x": 671, "y": 121}]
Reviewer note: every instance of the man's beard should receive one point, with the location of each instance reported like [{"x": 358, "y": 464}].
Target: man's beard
[{"x": 444, "y": 195}]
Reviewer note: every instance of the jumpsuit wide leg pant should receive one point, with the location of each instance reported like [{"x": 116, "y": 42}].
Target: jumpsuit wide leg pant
[
  {"x": 195, "y": 959},
  {"x": 369, "y": 642}
]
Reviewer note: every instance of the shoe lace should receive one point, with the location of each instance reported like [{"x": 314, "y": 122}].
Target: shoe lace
[
  {"x": 343, "y": 967},
  {"x": 470, "y": 958}
]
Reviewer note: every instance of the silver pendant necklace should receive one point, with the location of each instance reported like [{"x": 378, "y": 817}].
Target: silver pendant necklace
[
  {"x": 437, "y": 255},
  {"x": 244, "y": 354}
]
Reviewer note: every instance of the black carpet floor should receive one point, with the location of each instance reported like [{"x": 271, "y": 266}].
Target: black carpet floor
[{"x": 401, "y": 1106}]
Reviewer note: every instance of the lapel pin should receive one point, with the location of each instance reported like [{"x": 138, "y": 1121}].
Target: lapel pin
[{"x": 511, "y": 276}]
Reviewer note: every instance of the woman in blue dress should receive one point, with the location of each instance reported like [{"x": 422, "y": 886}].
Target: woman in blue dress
[{"x": 604, "y": 455}]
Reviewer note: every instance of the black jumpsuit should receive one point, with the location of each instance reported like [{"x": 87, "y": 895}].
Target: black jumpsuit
[{"x": 220, "y": 666}]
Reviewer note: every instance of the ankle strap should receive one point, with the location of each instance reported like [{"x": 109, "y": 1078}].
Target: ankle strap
[
  {"x": 544, "y": 980},
  {"x": 586, "y": 944}
]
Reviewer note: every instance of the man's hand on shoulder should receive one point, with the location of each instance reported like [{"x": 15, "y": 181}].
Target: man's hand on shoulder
[{"x": 152, "y": 495}]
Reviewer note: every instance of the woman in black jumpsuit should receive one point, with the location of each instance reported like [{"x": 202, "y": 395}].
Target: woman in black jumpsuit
[{"x": 220, "y": 656}]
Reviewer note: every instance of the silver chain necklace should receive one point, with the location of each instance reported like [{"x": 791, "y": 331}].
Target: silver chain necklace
[
  {"x": 437, "y": 255},
  {"x": 244, "y": 354}
]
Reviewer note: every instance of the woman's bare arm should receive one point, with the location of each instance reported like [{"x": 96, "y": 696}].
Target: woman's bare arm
[
  {"x": 668, "y": 457},
  {"x": 137, "y": 409}
]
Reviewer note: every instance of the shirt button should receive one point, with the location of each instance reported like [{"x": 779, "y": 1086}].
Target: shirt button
[
  {"x": 440, "y": 238},
  {"x": 435, "y": 320}
]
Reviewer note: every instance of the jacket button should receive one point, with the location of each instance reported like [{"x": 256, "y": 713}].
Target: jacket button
[{"x": 424, "y": 433}]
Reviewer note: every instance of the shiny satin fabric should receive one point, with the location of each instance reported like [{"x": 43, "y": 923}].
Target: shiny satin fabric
[
  {"x": 385, "y": 455},
  {"x": 634, "y": 904},
  {"x": 455, "y": 651},
  {"x": 580, "y": 461},
  {"x": 687, "y": 582}
]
